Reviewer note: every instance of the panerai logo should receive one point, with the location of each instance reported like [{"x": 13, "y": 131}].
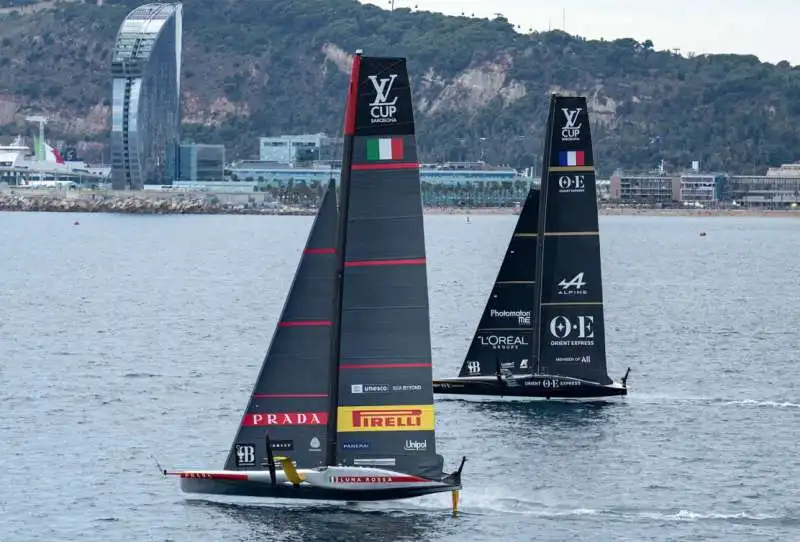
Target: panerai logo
[{"x": 381, "y": 109}]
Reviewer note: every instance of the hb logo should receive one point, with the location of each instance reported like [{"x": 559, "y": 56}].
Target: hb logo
[{"x": 245, "y": 455}]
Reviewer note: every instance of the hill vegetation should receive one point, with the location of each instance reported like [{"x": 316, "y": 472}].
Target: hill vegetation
[{"x": 255, "y": 68}]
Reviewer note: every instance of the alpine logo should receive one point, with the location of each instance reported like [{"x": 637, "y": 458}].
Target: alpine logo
[
  {"x": 571, "y": 184},
  {"x": 503, "y": 342},
  {"x": 574, "y": 286},
  {"x": 415, "y": 445},
  {"x": 285, "y": 418},
  {"x": 245, "y": 455},
  {"x": 381, "y": 109},
  {"x": 579, "y": 332},
  {"x": 474, "y": 367},
  {"x": 571, "y": 131}
]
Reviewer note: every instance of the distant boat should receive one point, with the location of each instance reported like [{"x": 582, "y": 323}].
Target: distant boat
[
  {"x": 343, "y": 406},
  {"x": 542, "y": 331}
]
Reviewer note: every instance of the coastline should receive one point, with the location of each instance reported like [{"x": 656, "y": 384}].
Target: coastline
[{"x": 86, "y": 201}]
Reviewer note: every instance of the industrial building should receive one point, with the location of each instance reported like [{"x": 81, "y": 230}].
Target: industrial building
[{"x": 146, "y": 88}]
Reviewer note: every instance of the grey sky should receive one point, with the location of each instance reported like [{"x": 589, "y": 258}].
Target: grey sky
[{"x": 764, "y": 28}]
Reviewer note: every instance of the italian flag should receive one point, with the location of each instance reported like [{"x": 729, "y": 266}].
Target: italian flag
[{"x": 385, "y": 148}]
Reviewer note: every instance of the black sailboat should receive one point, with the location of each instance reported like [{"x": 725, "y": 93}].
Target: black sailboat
[
  {"x": 542, "y": 331},
  {"x": 343, "y": 405}
]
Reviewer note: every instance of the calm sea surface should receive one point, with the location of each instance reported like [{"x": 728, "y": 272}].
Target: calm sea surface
[{"x": 128, "y": 337}]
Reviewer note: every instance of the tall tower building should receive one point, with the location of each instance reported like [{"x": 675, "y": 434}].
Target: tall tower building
[{"x": 146, "y": 106}]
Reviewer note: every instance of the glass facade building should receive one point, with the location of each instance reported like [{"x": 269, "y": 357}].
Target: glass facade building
[
  {"x": 145, "y": 123},
  {"x": 201, "y": 163}
]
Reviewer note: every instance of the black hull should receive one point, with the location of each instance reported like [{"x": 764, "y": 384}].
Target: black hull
[
  {"x": 259, "y": 489},
  {"x": 541, "y": 387}
]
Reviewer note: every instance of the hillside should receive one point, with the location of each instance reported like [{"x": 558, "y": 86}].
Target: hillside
[{"x": 260, "y": 68}]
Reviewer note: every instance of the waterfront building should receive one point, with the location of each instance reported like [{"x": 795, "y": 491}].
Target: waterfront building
[
  {"x": 703, "y": 188},
  {"x": 145, "y": 106},
  {"x": 289, "y": 149},
  {"x": 198, "y": 162},
  {"x": 644, "y": 189},
  {"x": 766, "y": 190}
]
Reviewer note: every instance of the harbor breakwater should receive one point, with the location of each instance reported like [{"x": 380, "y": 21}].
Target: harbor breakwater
[
  {"x": 67, "y": 201},
  {"x": 152, "y": 202}
]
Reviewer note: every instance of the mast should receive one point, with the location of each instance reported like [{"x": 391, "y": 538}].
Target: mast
[
  {"x": 537, "y": 287},
  {"x": 341, "y": 243}
]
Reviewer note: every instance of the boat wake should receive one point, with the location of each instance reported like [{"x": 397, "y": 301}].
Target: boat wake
[
  {"x": 768, "y": 404},
  {"x": 482, "y": 505}
]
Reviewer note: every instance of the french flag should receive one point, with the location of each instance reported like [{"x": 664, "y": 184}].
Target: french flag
[{"x": 571, "y": 158}]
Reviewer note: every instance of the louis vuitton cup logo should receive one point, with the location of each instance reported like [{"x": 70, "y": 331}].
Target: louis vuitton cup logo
[
  {"x": 571, "y": 131},
  {"x": 381, "y": 109}
]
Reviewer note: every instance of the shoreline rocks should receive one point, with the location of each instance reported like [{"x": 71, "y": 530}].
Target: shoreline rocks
[{"x": 71, "y": 201}]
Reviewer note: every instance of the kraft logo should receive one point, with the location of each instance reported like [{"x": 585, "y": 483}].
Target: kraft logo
[
  {"x": 411, "y": 417},
  {"x": 285, "y": 418}
]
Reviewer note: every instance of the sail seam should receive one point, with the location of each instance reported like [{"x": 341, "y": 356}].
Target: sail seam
[
  {"x": 567, "y": 233},
  {"x": 366, "y": 263},
  {"x": 305, "y": 323},
  {"x": 382, "y": 365},
  {"x": 378, "y": 167}
]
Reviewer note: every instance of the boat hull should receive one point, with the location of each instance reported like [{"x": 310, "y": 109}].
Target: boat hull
[
  {"x": 329, "y": 484},
  {"x": 534, "y": 386}
]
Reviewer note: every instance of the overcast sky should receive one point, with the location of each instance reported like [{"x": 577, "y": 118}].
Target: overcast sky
[{"x": 765, "y": 28}]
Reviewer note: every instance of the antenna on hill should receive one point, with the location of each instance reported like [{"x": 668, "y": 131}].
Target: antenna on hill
[{"x": 564, "y": 19}]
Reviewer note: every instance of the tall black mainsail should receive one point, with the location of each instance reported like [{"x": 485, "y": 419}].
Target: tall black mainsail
[
  {"x": 344, "y": 403},
  {"x": 290, "y": 398},
  {"x": 504, "y": 340},
  {"x": 564, "y": 356},
  {"x": 569, "y": 293},
  {"x": 385, "y": 399}
]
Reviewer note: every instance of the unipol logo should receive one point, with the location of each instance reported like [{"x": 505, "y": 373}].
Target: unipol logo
[
  {"x": 381, "y": 109},
  {"x": 245, "y": 455},
  {"x": 577, "y": 332},
  {"x": 503, "y": 342},
  {"x": 571, "y": 131},
  {"x": 286, "y": 418},
  {"x": 571, "y": 184},
  {"x": 574, "y": 286},
  {"x": 474, "y": 367}
]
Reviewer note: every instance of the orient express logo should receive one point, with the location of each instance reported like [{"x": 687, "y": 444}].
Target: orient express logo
[
  {"x": 285, "y": 418},
  {"x": 386, "y": 418}
]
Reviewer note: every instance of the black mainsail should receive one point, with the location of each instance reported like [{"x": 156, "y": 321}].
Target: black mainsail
[
  {"x": 385, "y": 412},
  {"x": 566, "y": 349},
  {"x": 504, "y": 340},
  {"x": 344, "y": 401},
  {"x": 569, "y": 293},
  {"x": 289, "y": 401}
]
